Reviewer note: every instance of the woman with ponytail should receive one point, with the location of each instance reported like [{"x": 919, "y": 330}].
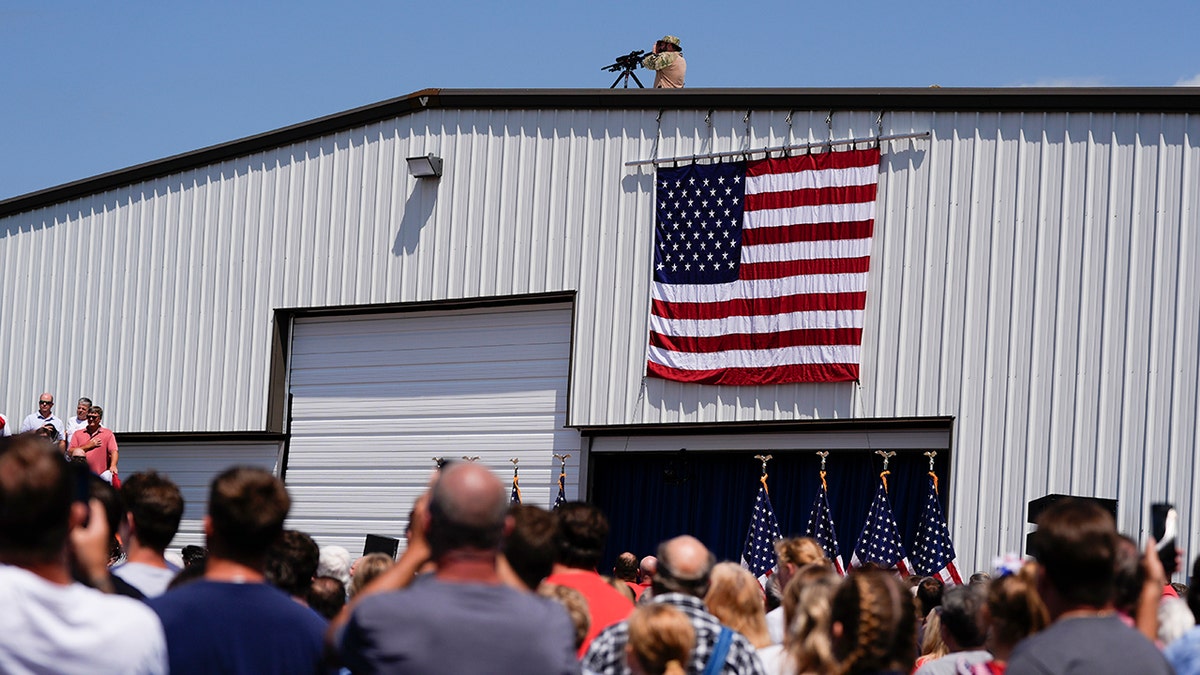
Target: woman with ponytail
[{"x": 660, "y": 641}]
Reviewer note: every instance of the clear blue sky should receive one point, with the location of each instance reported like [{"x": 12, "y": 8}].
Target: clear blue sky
[{"x": 89, "y": 87}]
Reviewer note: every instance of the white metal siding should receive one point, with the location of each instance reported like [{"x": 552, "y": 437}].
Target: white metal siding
[
  {"x": 1032, "y": 278},
  {"x": 193, "y": 465},
  {"x": 376, "y": 398}
]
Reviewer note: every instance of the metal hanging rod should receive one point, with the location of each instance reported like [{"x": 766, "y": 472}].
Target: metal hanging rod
[{"x": 779, "y": 148}]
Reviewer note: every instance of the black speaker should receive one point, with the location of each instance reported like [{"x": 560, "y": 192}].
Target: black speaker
[
  {"x": 378, "y": 543},
  {"x": 1042, "y": 503}
]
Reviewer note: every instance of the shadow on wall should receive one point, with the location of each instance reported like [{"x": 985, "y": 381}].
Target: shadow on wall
[
  {"x": 817, "y": 401},
  {"x": 417, "y": 211}
]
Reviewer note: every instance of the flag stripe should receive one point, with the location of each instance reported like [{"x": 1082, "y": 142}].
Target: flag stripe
[
  {"x": 812, "y": 180},
  {"x": 756, "y": 358},
  {"x": 759, "y": 289},
  {"x": 806, "y": 250},
  {"x": 822, "y": 372},
  {"x": 758, "y": 306},
  {"x": 780, "y": 270},
  {"x": 810, "y": 215},
  {"x": 792, "y": 198},
  {"x": 821, "y": 161},
  {"x": 784, "y": 234},
  {"x": 743, "y": 341},
  {"x": 769, "y": 323}
]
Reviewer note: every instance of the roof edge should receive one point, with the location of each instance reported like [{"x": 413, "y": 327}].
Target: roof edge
[{"x": 1023, "y": 99}]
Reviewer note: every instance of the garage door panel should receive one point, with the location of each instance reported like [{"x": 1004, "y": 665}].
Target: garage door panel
[{"x": 374, "y": 399}]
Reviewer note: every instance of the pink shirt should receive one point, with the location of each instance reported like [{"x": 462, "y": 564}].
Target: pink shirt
[{"x": 97, "y": 458}]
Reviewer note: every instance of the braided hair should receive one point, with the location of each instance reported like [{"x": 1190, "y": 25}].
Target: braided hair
[{"x": 878, "y": 624}]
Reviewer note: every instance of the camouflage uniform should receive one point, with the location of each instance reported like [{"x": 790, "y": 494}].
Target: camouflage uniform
[{"x": 669, "y": 69}]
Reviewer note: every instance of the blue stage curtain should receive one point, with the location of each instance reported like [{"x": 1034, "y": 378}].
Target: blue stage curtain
[{"x": 651, "y": 497}]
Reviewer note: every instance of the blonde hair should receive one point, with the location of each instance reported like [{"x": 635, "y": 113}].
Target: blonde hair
[
  {"x": 807, "y": 641},
  {"x": 932, "y": 644},
  {"x": 576, "y": 605},
  {"x": 368, "y": 567},
  {"x": 660, "y": 639},
  {"x": 878, "y": 623},
  {"x": 1016, "y": 608},
  {"x": 735, "y": 598},
  {"x": 799, "y": 551}
]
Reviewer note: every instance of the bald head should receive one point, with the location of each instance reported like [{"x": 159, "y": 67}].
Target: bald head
[
  {"x": 649, "y": 566},
  {"x": 467, "y": 508},
  {"x": 684, "y": 564}
]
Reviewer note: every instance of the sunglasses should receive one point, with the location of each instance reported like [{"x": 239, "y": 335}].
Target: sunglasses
[{"x": 45, "y": 402}]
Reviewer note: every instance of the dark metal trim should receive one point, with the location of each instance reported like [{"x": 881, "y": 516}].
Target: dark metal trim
[
  {"x": 772, "y": 427},
  {"x": 549, "y": 298},
  {"x": 1022, "y": 99}
]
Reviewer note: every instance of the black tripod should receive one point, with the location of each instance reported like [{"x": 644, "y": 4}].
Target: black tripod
[{"x": 625, "y": 75}]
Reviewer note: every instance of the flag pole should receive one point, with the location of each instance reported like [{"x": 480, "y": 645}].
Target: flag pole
[
  {"x": 931, "y": 455},
  {"x": 823, "y": 454},
  {"x": 764, "y": 459},
  {"x": 562, "y": 480},
  {"x": 886, "y": 456},
  {"x": 516, "y": 486}
]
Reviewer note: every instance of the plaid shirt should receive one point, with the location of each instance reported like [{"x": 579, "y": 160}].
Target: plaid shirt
[{"x": 607, "y": 652}]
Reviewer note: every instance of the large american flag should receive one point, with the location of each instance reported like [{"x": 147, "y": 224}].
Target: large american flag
[
  {"x": 760, "y": 269},
  {"x": 933, "y": 552},
  {"x": 880, "y": 542},
  {"x": 758, "y": 552},
  {"x": 820, "y": 528}
]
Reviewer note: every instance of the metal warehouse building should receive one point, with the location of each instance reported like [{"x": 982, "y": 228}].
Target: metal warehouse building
[{"x": 298, "y": 300}]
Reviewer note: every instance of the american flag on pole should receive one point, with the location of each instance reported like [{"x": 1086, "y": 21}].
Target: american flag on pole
[
  {"x": 758, "y": 553},
  {"x": 562, "y": 487},
  {"x": 880, "y": 542},
  {"x": 516, "y": 490},
  {"x": 760, "y": 269},
  {"x": 933, "y": 552},
  {"x": 820, "y": 528}
]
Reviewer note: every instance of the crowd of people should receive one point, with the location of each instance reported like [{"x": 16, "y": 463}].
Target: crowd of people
[{"x": 484, "y": 586}]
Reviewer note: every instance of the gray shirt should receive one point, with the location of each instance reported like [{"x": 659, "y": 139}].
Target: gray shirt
[{"x": 1088, "y": 645}]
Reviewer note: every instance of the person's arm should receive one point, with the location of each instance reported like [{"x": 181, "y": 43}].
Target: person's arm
[
  {"x": 398, "y": 576},
  {"x": 1146, "y": 613},
  {"x": 89, "y": 545}
]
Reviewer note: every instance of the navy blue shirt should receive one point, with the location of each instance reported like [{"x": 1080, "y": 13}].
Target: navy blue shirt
[{"x": 217, "y": 627}]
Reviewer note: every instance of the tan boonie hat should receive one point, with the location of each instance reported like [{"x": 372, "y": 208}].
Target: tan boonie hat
[{"x": 671, "y": 39}]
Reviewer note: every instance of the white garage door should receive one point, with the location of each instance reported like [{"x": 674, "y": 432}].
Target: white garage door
[{"x": 376, "y": 397}]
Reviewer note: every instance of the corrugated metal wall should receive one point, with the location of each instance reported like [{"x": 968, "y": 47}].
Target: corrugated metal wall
[{"x": 1031, "y": 278}]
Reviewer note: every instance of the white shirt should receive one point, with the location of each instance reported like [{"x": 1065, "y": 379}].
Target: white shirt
[
  {"x": 50, "y": 628},
  {"x": 73, "y": 425},
  {"x": 35, "y": 421}
]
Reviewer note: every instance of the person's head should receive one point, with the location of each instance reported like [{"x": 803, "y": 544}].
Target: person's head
[
  {"x": 873, "y": 623},
  {"x": 292, "y": 563},
  {"x": 81, "y": 408},
  {"x": 367, "y": 568},
  {"x": 114, "y": 511},
  {"x": 963, "y": 624},
  {"x": 647, "y": 568},
  {"x": 467, "y": 510},
  {"x": 95, "y": 414},
  {"x": 193, "y": 555},
  {"x": 929, "y": 594},
  {"x": 932, "y": 644},
  {"x": 626, "y": 567},
  {"x": 684, "y": 566},
  {"x": 36, "y": 512},
  {"x": 45, "y": 404},
  {"x": 735, "y": 598},
  {"x": 1128, "y": 577},
  {"x": 794, "y": 553},
  {"x": 1015, "y": 609},
  {"x": 808, "y": 574},
  {"x": 582, "y": 533},
  {"x": 1076, "y": 542},
  {"x": 530, "y": 547},
  {"x": 246, "y": 510},
  {"x": 669, "y": 43},
  {"x": 575, "y": 604},
  {"x": 327, "y": 596},
  {"x": 155, "y": 507},
  {"x": 660, "y": 640},
  {"x": 807, "y": 638},
  {"x": 47, "y": 431},
  {"x": 979, "y": 578},
  {"x": 334, "y": 562}
]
